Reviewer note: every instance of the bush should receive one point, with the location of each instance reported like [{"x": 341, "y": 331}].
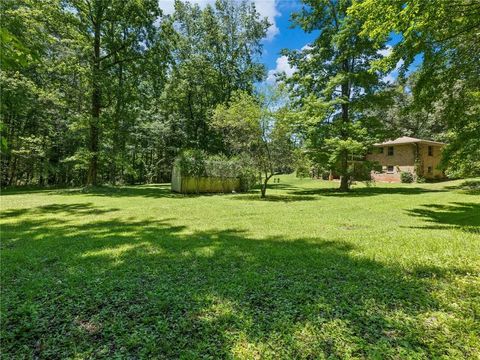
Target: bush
[
  {"x": 303, "y": 166},
  {"x": 222, "y": 167},
  {"x": 361, "y": 171},
  {"x": 470, "y": 185},
  {"x": 196, "y": 163},
  {"x": 421, "y": 179},
  {"x": 303, "y": 171},
  {"x": 191, "y": 163},
  {"x": 406, "y": 177}
]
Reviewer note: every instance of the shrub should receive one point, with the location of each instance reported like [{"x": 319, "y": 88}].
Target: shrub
[
  {"x": 420, "y": 179},
  {"x": 303, "y": 166},
  {"x": 196, "y": 163},
  {"x": 222, "y": 167},
  {"x": 406, "y": 177},
  {"x": 303, "y": 171},
  {"x": 361, "y": 171},
  {"x": 191, "y": 163}
]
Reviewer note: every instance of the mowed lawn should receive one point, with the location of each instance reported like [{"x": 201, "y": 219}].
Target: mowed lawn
[{"x": 390, "y": 271}]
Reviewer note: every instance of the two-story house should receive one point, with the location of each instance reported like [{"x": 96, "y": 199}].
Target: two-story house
[{"x": 407, "y": 154}]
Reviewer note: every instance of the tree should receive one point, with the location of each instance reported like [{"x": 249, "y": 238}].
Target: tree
[
  {"x": 401, "y": 114},
  {"x": 113, "y": 32},
  {"x": 32, "y": 110},
  {"x": 258, "y": 132},
  {"x": 334, "y": 85},
  {"x": 445, "y": 35},
  {"x": 98, "y": 91},
  {"x": 217, "y": 53}
]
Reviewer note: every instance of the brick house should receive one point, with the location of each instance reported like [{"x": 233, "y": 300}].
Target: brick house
[{"x": 407, "y": 154}]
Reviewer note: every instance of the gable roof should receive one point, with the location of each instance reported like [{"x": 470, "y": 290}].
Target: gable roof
[{"x": 408, "y": 140}]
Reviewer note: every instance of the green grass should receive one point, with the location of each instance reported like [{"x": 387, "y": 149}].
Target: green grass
[{"x": 390, "y": 271}]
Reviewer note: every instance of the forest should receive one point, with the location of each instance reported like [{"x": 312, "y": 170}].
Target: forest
[{"x": 112, "y": 91}]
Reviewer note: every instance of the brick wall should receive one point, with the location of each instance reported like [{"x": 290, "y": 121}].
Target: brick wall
[
  {"x": 433, "y": 161},
  {"x": 403, "y": 159}
]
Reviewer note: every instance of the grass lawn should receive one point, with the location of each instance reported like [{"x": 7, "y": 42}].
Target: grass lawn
[{"x": 390, "y": 271}]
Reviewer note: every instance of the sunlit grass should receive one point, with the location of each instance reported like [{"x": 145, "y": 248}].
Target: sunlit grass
[{"x": 389, "y": 271}]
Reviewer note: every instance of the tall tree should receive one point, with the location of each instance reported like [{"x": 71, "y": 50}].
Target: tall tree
[
  {"x": 334, "y": 83},
  {"x": 217, "y": 53},
  {"x": 109, "y": 91},
  {"x": 445, "y": 34},
  {"x": 115, "y": 33}
]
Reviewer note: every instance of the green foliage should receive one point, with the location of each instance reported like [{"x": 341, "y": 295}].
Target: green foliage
[
  {"x": 215, "y": 55},
  {"x": 461, "y": 156},
  {"x": 361, "y": 171},
  {"x": 155, "y": 79},
  {"x": 406, "y": 177},
  {"x": 192, "y": 163},
  {"x": 334, "y": 84},
  {"x": 258, "y": 133},
  {"x": 421, "y": 180},
  {"x": 303, "y": 166},
  {"x": 446, "y": 88},
  {"x": 197, "y": 163},
  {"x": 139, "y": 272}
]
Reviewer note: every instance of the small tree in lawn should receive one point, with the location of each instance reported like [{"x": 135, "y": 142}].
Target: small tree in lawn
[{"x": 258, "y": 132}]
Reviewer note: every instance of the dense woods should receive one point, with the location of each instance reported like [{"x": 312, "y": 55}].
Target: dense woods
[{"x": 99, "y": 91}]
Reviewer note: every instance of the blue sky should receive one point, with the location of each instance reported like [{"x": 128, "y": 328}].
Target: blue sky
[
  {"x": 281, "y": 35},
  {"x": 286, "y": 37}
]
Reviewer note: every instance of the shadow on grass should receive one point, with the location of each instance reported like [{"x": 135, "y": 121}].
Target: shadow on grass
[
  {"x": 471, "y": 187},
  {"x": 152, "y": 190},
  {"x": 366, "y": 191},
  {"x": 29, "y": 190},
  {"x": 140, "y": 289},
  {"x": 163, "y": 191},
  {"x": 459, "y": 215},
  {"x": 282, "y": 186},
  {"x": 273, "y": 198},
  {"x": 63, "y": 209}
]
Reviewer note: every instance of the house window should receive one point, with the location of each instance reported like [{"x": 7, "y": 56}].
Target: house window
[
  {"x": 390, "y": 151},
  {"x": 430, "y": 170},
  {"x": 380, "y": 150},
  {"x": 430, "y": 151},
  {"x": 390, "y": 169}
]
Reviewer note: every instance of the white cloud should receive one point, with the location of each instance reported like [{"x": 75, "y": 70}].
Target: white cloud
[
  {"x": 385, "y": 52},
  {"x": 392, "y": 76},
  {"x": 167, "y": 6},
  {"x": 266, "y": 8},
  {"x": 283, "y": 66},
  {"x": 306, "y": 47}
]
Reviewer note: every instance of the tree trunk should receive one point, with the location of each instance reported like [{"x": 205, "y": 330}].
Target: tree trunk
[
  {"x": 96, "y": 106},
  {"x": 344, "y": 181},
  {"x": 263, "y": 189},
  {"x": 13, "y": 171}
]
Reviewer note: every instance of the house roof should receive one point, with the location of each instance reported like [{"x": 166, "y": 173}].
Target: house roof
[{"x": 408, "y": 140}]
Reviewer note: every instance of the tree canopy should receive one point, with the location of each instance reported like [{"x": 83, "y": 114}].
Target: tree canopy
[{"x": 97, "y": 91}]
